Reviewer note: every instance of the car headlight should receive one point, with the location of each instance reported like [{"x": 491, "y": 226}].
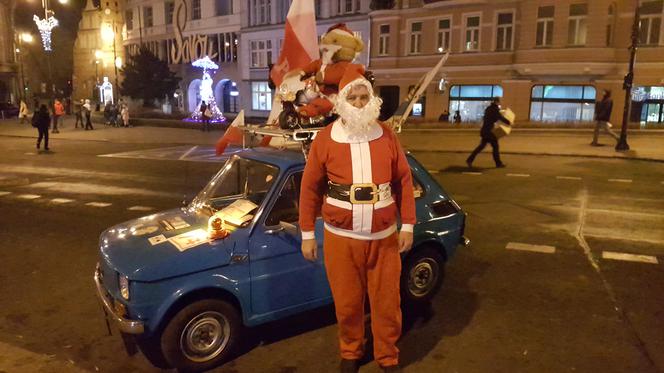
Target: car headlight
[{"x": 123, "y": 283}]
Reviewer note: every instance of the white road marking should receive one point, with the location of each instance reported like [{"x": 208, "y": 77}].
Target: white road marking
[
  {"x": 433, "y": 171},
  {"x": 518, "y": 175},
  {"x": 188, "y": 152},
  {"x": 629, "y": 257},
  {"x": 28, "y": 196},
  {"x": 140, "y": 208},
  {"x": 620, "y": 180},
  {"x": 97, "y": 189},
  {"x": 5, "y": 193},
  {"x": 532, "y": 248},
  {"x": 568, "y": 178},
  {"x": 61, "y": 200},
  {"x": 620, "y": 236},
  {"x": 472, "y": 173},
  {"x": 98, "y": 204}
]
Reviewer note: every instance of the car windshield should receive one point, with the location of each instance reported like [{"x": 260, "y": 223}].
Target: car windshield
[{"x": 240, "y": 178}]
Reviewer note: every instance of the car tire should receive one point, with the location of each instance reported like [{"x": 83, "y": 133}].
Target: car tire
[
  {"x": 151, "y": 349},
  {"x": 201, "y": 335},
  {"x": 422, "y": 275}
]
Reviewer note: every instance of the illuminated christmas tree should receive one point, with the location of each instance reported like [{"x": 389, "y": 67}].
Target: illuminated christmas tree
[{"x": 206, "y": 93}]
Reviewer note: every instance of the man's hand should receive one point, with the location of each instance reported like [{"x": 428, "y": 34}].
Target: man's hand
[
  {"x": 310, "y": 249},
  {"x": 405, "y": 241}
]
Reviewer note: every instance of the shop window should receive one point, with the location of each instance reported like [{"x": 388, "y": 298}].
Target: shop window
[
  {"x": 562, "y": 103},
  {"x": 544, "y": 37},
  {"x": 471, "y": 100},
  {"x": 648, "y": 105},
  {"x": 261, "y": 96},
  {"x": 420, "y": 106}
]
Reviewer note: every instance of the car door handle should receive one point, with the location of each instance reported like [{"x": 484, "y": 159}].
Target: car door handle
[{"x": 275, "y": 230}]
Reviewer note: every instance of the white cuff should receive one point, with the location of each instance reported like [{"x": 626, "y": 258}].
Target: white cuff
[
  {"x": 407, "y": 228},
  {"x": 309, "y": 235}
]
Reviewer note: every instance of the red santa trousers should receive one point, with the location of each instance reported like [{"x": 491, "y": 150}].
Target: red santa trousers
[{"x": 356, "y": 268}]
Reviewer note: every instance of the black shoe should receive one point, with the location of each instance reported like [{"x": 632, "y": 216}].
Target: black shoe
[
  {"x": 38, "y": 145},
  {"x": 501, "y": 165},
  {"x": 47, "y": 149},
  {"x": 595, "y": 144},
  {"x": 392, "y": 369},
  {"x": 349, "y": 366},
  {"x": 469, "y": 163}
]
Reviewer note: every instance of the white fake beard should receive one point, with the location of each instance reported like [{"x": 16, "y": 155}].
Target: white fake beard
[{"x": 358, "y": 121}]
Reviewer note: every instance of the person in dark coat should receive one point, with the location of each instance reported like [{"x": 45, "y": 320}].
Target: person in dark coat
[
  {"x": 42, "y": 120},
  {"x": 603, "y": 110},
  {"x": 491, "y": 116},
  {"x": 205, "y": 116}
]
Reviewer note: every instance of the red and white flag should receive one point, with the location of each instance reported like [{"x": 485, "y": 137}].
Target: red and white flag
[
  {"x": 233, "y": 134},
  {"x": 300, "y": 45}
]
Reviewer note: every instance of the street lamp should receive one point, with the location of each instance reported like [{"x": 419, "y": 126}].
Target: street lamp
[{"x": 622, "y": 145}]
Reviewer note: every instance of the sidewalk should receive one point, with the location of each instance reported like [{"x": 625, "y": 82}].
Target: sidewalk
[{"x": 644, "y": 144}]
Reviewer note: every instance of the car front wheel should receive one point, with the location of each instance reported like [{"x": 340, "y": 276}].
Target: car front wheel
[
  {"x": 422, "y": 275},
  {"x": 202, "y": 335}
]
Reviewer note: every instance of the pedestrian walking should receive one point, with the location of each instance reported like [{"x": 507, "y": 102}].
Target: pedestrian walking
[
  {"x": 360, "y": 243},
  {"x": 603, "y": 110},
  {"x": 491, "y": 116},
  {"x": 114, "y": 116},
  {"x": 42, "y": 120},
  {"x": 107, "y": 113},
  {"x": 124, "y": 113},
  {"x": 206, "y": 114},
  {"x": 23, "y": 112},
  {"x": 58, "y": 115},
  {"x": 87, "y": 109},
  {"x": 457, "y": 117},
  {"x": 78, "y": 113}
]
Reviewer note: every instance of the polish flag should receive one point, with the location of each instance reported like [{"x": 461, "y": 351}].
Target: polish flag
[
  {"x": 300, "y": 45},
  {"x": 233, "y": 134}
]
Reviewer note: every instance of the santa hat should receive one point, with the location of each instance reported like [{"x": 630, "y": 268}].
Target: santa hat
[
  {"x": 341, "y": 29},
  {"x": 353, "y": 75}
]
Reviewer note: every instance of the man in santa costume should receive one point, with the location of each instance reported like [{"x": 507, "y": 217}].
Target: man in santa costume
[{"x": 357, "y": 175}]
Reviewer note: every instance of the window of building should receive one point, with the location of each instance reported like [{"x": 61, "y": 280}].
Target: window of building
[
  {"x": 648, "y": 105},
  {"x": 562, "y": 103},
  {"x": 195, "y": 9},
  {"x": 444, "y": 35},
  {"x": 282, "y": 10},
  {"x": 261, "y": 96},
  {"x": 224, "y": 7},
  {"x": 384, "y": 40},
  {"x": 544, "y": 26},
  {"x": 259, "y": 12},
  {"x": 610, "y": 24},
  {"x": 147, "y": 16},
  {"x": 415, "y": 38},
  {"x": 651, "y": 22},
  {"x": 348, "y": 6},
  {"x": 504, "y": 31},
  {"x": 577, "y": 24},
  {"x": 169, "y": 8},
  {"x": 472, "y": 32},
  {"x": 129, "y": 19},
  {"x": 261, "y": 53},
  {"x": 472, "y": 100},
  {"x": 228, "y": 44}
]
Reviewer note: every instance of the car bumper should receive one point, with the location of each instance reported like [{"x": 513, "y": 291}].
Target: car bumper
[{"x": 125, "y": 325}]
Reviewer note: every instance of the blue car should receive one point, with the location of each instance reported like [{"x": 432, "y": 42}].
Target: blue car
[{"x": 186, "y": 299}]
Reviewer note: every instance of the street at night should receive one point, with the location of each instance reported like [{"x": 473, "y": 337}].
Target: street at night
[{"x": 564, "y": 272}]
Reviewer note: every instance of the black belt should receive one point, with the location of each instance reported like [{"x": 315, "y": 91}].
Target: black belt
[{"x": 363, "y": 193}]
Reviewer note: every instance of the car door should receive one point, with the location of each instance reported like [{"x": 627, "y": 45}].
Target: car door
[{"x": 281, "y": 279}]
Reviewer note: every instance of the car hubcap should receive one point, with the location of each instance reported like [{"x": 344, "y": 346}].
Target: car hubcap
[
  {"x": 205, "y": 336},
  {"x": 422, "y": 277}
]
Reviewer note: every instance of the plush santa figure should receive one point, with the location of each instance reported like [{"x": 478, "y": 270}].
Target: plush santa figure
[
  {"x": 339, "y": 47},
  {"x": 358, "y": 176}
]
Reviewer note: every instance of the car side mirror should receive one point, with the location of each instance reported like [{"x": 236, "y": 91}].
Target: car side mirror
[{"x": 275, "y": 229}]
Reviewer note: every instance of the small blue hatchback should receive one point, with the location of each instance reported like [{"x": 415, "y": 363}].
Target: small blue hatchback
[{"x": 186, "y": 300}]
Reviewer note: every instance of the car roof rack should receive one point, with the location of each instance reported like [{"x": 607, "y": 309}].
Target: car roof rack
[{"x": 285, "y": 138}]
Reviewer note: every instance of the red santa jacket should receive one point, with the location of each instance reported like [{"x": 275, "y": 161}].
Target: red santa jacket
[{"x": 376, "y": 157}]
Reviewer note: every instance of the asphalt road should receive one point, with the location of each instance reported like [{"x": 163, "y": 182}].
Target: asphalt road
[{"x": 535, "y": 291}]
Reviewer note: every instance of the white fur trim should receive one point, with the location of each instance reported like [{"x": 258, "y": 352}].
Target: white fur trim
[
  {"x": 339, "y": 203},
  {"x": 360, "y": 235},
  {"x": 362, "y": 81},
  {"x": 407, "y": 228},
  {"x": 339, "y": 134},
  {"x": 308, "y": 235}
]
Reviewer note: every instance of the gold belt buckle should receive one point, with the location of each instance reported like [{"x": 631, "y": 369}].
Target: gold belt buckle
[{"x": 374, "y": 193}]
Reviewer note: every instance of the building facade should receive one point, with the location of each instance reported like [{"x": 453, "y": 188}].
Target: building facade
[
  {"x": 98, "y": 52},
  {"x": 262, "y": 34},
  {"x": 548, "y": 60},
  {"x": 9, "y": 85}
]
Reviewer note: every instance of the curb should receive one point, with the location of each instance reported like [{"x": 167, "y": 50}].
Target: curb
[{"x": 645, "y": 159}]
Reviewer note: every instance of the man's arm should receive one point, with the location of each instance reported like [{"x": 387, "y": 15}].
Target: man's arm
[{"x": 312, "y": 190}]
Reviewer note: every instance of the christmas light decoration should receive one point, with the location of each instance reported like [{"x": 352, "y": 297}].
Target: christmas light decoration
[
  {"x": 45, "y": 26},
  {"x": 206, "y": 93}
]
